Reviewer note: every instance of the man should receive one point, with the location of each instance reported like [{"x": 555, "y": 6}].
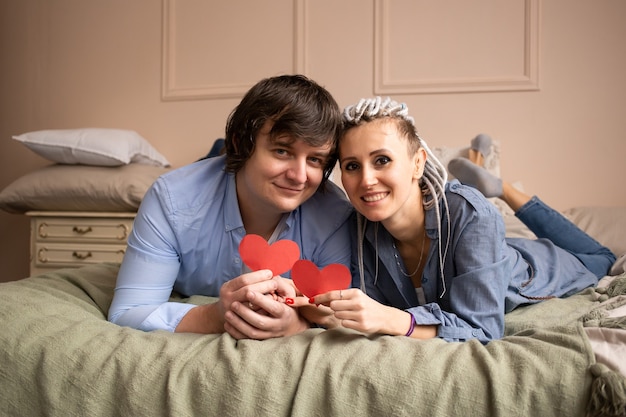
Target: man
[{"x": 280, "y": 149}]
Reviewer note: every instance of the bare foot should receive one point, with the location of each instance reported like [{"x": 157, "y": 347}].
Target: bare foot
[
  {"x": 480, "y": 147},
  {"x": 476, "y": 157}
]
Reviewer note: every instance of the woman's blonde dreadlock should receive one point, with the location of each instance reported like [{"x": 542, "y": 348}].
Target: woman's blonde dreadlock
[{"x": 433, "y": 180}]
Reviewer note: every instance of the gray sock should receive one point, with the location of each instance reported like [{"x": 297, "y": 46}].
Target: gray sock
[
  {"x": 482, "y": 144},
  {"x": 478, "y": 177}
]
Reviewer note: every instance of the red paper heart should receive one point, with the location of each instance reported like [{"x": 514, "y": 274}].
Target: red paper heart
[
  {"x": 278, "y": 257},
  {"x": 312, "y": 281}
]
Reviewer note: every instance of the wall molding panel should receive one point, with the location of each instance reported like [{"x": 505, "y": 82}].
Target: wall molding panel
[
  {"x": 205, "y": 57},
  {"x": 499, "y": 50}
]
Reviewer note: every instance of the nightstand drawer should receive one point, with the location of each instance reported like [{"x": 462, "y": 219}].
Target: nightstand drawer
[
  {"x": 72, "y": 239},
  {"x": 82, "y": 230},
  {"x": 60, "y": 255}
]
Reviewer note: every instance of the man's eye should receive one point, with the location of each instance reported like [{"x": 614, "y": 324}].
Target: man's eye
[{"x": 317, "y": 161}]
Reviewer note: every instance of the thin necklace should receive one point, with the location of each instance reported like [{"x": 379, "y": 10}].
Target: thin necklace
[{"x": 419, "y": 263}]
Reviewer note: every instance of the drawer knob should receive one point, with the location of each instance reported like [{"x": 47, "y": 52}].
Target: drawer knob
[
  {"x": 81, "y": 256},
  {"x": 42, "y": 229},
  {"x": 124, "y": 231},
  {"x": 81, "y": 231},
  {"x": 41, "y": 255}
]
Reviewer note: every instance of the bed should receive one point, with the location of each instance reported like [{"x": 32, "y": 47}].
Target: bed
[{"x": 61, "y": 357}]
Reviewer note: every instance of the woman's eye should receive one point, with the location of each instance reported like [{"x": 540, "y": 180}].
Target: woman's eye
[
  {"x": 350, "y": 166},
  {"x": 382, "y": 160},
  {"x": 281, "y": 152}
]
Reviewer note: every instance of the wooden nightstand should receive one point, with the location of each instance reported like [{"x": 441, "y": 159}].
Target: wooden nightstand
[{"x": 71, "y": 239}]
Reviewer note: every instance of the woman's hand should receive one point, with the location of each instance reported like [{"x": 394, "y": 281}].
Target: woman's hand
[
  {"x": 355, "y": 310},
  {"x": 320, "y": 315},
  {"x": 349, "y": 308}
]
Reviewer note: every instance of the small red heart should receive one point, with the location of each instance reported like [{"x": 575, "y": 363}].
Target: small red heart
[
  {"x": 278, "y": 257},
  {"x": 312, "y": 281}
]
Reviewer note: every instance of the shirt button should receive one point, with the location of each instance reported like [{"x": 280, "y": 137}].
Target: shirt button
[
  {"x": 475, "y": 332},
  {"x": 237, "y": 261},
  {"x": 424, "y": 280}
]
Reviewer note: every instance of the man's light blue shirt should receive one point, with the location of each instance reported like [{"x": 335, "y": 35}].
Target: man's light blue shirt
[{"x": 186, "y": 238}]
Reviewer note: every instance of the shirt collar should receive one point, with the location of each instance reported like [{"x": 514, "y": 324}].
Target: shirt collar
[{"x": 232, "y": 215}]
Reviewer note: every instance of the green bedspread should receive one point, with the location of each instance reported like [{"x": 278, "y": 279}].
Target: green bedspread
[{"x": 60, "y": 357}]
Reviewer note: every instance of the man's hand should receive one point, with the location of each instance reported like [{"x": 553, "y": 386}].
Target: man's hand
[
  {"x": 273, "y": 318},
  {"x": 209, "y": 318},
  {"x": 237, "y": 289}
]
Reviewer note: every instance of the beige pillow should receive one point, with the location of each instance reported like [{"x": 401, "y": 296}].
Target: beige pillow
[{"x": 80, "y": 188}]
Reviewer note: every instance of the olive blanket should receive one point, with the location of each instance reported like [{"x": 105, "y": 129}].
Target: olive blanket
[{"x": 60, "y": 357}]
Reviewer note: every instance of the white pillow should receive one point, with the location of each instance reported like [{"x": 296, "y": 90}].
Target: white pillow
[{"x": 92, "y": 146}]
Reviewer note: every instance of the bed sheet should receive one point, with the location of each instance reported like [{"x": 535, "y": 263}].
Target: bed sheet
[{"x": 59, "y": 356}]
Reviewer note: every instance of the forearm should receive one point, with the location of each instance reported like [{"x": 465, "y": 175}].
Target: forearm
[
  {"x": 448, "y": 326},
  {"x": 205, "y": 319},
  {"x": 400, "y": 322},
  {"x": 424, "y": 332}
]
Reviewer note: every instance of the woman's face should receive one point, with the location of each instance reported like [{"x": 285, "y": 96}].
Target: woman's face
[{"x": 377, "y": 171}]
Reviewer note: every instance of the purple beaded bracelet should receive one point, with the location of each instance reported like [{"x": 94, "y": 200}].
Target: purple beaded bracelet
[{"x": 410, "y": 332}]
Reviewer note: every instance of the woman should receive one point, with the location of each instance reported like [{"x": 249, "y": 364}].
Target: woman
[{"x": 431, "y": 258}]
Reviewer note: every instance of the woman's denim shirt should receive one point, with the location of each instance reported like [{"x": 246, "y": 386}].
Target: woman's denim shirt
[{"x": 484, "y": 273}]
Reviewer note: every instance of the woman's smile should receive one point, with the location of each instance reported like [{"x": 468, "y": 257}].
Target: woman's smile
[{"x": 374, "y": 197}]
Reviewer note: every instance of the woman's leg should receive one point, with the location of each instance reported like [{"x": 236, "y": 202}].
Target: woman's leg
[
  {"x": 548, "y": 223},
  {"x": 480, "y": 147},
  {"x": 490, "y": 186},
  {"x": 542, "y": 220}
]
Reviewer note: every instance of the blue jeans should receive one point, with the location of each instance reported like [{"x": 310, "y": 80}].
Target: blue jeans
[{"x": 548, "y": 223}]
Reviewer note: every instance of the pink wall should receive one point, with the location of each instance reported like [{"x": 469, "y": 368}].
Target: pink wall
[{"x": 71, "y": 63}]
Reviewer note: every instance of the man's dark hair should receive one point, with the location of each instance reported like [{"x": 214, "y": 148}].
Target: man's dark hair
[{"x": 296, "y": 105}]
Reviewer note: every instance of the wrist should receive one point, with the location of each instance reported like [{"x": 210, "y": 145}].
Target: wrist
[
  {"x": 202, "y": 319},
  {"x": 301, "y": 325},
  {"x": 411, "y": 326}
]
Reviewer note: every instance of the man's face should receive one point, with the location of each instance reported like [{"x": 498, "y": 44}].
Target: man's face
[{"x": 281, "y": 174}]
